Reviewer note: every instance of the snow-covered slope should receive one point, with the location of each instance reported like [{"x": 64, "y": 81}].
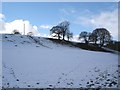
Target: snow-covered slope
[{"x": 35, "y": 62}]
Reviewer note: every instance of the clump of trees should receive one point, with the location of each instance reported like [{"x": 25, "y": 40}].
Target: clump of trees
[
  {"x": 30, "y": 33},
  {"x": 99, "y": 35},
  {"x": 16, "y": 32},
  {"x": 61, "y": 30}
]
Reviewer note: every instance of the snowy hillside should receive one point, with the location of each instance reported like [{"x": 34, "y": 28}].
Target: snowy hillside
[{"x": 35, "y": 62}]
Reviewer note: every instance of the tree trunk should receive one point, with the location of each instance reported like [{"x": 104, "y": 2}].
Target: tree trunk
[
  {"x": 95, "y": 42},
  {"x": 103, "y": 43},
  {"x": 63, "y": 36},
  {"x": 64, "y": 31},
  {"x": 59, "y": 36},
  {"x": 86, "y": 41},
  {"x": 68, "y": 38}
]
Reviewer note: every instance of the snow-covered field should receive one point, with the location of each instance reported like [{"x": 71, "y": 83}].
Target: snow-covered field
[{"x": 39, "y": 63}]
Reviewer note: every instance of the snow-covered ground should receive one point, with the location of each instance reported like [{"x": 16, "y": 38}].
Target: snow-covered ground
[
  {"x": 39, "y": 63},
  {"x": 0, "y": 62}
]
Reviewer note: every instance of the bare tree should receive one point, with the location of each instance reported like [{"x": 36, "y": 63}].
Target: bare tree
[
  {"x": 93, "y": 38},
  {"x": 61, "y": 30},
  {"x": 65, "y": 28},
  {"x": 102, "y": 35},
  {"x": 69, "y": 35},
  {"x": 84, "y": 35},
  {"x": 57, "y": 30}
]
